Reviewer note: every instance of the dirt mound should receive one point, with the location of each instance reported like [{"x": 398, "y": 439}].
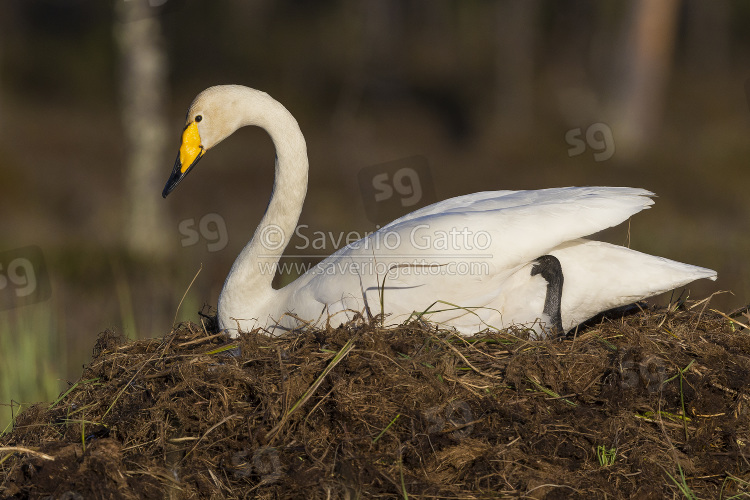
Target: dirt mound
[{"x": 646, "y": 405}]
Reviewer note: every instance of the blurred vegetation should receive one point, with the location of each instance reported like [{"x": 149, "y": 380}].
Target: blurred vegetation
[
  {"x": 33, "y": 359},
  {"x": 487, "y": 91}
]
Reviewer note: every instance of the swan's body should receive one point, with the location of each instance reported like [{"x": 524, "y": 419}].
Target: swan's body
[{"x": 468, "y": 260}]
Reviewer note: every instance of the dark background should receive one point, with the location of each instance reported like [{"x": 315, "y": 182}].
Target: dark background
[{"x": 485, "y": 92}]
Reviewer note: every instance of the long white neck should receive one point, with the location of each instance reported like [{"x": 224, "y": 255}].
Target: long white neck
[{"x": 249, "y": 281}]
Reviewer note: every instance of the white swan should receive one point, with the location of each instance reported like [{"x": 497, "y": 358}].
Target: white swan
[{"x": 469, "y": 261}]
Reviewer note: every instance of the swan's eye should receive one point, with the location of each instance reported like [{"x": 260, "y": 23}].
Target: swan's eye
[{"x": 198, "y": 118}]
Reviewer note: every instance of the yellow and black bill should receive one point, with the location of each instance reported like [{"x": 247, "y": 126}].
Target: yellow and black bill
[{"x": 190, "y": 153}]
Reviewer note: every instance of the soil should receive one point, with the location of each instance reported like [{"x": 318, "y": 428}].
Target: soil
[{"x": 649, "y": 404}]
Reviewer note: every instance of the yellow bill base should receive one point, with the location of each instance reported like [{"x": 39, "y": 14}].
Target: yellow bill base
[{"x": 190, "y": 149}]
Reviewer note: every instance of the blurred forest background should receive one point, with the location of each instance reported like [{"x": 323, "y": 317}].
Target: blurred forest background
[{"x": 508, "y": 94}]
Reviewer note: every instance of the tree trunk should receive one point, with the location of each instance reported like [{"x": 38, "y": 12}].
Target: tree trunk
[
  {"x": 646, "y": 60},
  {"x": 142, "y": 92}
]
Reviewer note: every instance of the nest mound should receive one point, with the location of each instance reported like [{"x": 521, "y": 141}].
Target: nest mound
[{"x": 647, "y": 405}]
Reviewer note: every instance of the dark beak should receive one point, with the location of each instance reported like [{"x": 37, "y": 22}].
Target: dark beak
[{"x": 177, "y": 174}]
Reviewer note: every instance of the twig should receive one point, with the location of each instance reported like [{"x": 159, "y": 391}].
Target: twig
[
  {"x": 18, "y": 449},
  {"x": 314, "y": 387},
  {"x": 223, "y": 421},
  {"x": 484, "y": 374},
  {"x": 185, "y": 294}
]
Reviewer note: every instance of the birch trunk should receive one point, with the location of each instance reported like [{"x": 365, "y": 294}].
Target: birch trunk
[{"x": 143, "y": 87}]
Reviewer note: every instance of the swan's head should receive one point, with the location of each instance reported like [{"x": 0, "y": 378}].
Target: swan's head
[{"x": 212, "y": 117}]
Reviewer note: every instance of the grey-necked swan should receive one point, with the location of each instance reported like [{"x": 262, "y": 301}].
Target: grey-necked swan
[{"x": 483, "y": 260}]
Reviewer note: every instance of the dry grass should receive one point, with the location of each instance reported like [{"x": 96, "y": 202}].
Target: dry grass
[{"x": 653, "y": 404}]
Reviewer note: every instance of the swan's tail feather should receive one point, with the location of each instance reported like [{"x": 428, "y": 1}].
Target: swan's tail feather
[{"x": 601, "y": 276}]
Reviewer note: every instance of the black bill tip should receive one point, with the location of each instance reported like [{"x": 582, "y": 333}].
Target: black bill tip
[{"x": 177, "y": 174}]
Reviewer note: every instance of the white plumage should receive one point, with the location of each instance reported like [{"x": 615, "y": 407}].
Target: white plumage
[{"x": 466, "y": 260}]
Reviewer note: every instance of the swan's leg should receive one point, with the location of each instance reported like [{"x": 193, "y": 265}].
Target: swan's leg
[{"x": 549, "y": 267}]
